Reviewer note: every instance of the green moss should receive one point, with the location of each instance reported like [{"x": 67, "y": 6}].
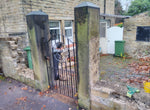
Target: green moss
[
  {"x": 83, "y": 57},
  {"x": 84, "y": 103},
  {"x": 34, "y": 51},
  {"x": 2, "y": 77},
  {"x": 93, "y": 23}
]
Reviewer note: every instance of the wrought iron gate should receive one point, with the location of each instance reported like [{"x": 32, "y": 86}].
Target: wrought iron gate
[{"x": 63, "y": 66}]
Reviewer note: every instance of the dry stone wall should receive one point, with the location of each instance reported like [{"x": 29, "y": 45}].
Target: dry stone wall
[{"x": 13, "y": 60}]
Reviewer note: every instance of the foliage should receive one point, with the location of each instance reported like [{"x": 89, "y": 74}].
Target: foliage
[
  {"x": 119, "y": 25},
  {"x": 118, "y": 8},
  {"x": 138, "y": 6}
]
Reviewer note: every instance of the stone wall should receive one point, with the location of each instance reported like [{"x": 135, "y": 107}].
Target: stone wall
[
  {"x": 63, "y": 9},
  {"x": 136, "y": 49},
  {"x": 12, "y": 19},
  {"x": 13, "y": 12},
  {"x": 13, "y": 60},
  {"x": 13, "y": 27}
]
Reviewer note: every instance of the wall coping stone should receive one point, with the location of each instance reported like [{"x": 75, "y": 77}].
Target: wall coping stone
[{"x": 87, "y": 4}]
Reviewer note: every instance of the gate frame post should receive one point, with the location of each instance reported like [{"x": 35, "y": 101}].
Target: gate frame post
[
  {"x": 38, "y": 30},
  {"x": 87, "y": 22}
]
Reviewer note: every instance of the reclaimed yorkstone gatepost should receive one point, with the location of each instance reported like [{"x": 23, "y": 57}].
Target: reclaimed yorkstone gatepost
[
  {"x": 87, "y": 38},
  {"x": 38, "y": 31}
]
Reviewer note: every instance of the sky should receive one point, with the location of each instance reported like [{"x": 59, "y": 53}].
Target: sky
[{"x": 125, "y": 4}]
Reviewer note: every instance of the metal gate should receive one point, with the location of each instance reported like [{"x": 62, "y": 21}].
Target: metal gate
[{"x": 64, "y": 65}]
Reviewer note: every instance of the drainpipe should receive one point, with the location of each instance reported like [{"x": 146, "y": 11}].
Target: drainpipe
[{"x": 104, "y": 8}]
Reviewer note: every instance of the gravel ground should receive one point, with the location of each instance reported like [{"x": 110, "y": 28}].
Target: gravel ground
[
  {"x": 116, "y": 73},
  {"x": 116, "y": 69}
]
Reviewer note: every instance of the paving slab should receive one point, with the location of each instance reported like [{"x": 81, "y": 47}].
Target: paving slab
[{"x": 15, "y": 95}]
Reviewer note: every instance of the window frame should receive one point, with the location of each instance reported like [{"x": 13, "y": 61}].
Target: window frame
[
  {"x": 71, "y": 27},
  {"x": 144, "y": 39},
  {"x": 59, "y": 28},
  {"x": 105, "y": 28}
]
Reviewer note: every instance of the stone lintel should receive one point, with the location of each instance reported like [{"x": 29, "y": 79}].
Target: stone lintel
[{"x": 38, "y": 13}]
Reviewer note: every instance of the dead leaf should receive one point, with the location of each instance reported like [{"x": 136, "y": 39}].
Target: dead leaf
[
  {"x": 76, "y": 95},
  {"x": 47, "y": 92},
  {"x": 22, "y": 99},
  {"x": 24, "y": 88},
  {"x": 49, "y": 87},
  {"x": 41, "y": 93},
  {"x": 44, "y": 106},
  {"x": 30, "y": 90},
  {"x": 5, "y": 93}
]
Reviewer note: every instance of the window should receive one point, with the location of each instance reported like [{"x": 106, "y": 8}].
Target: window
[
  {"x": 68, "y": 29},
  {"x": 103, "y": 26},
  {"x": 54, "y": 27},
  {"x": 143, "y": 33}
]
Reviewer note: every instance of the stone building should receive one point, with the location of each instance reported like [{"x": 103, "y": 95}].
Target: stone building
[
  {"x": 13, "y": 29},
  {"x": 13, "y": 14},
  {"x": 137, "y": 35}
]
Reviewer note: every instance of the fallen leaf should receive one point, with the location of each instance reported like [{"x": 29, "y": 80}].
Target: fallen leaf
[
  {"x": 41, "y": 108},
  {"x": 30, "y": 90},
  {"x": 55, "y": 87},
  {"x": 44, "y": 106},
  {"x": 24, "y": 88},
  {"x": 22, "y": 99},
  {"x": 47, "y": 92},
  {"x": 41, "y": 93},
  {"x": 5, "y": 93},
  {"x": 49, "y": 87},
  {"x": 76, "y": 95}
]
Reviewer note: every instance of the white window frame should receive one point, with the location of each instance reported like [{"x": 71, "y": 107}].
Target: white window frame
[
  {"x": 105, "y": 27},
  {"x": 59, "y": 28},
  {"x": 71, "y": 27}
]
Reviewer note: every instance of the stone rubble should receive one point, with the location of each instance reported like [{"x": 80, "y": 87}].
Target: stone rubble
[{"x": 13, "y": 51}]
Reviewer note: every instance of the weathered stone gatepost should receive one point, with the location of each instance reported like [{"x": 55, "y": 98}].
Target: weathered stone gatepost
[
  {"x": 38, "y": 30},
  {"x": 87, "y": 36}
]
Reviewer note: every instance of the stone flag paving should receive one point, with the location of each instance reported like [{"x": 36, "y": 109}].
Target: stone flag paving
[{"x": 17, "y": 96}]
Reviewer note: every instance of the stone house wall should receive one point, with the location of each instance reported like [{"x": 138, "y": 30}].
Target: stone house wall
[
  {"x": 13, "y": 15},
  {"x": 13, "y": 12},
  {"x": 136, "y": 49}
]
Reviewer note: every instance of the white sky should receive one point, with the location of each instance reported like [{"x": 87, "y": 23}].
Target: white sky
[{"x": 125, "y": 4}]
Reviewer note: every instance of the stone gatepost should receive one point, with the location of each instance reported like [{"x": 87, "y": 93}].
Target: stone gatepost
[
  {"x": 38, "y": 31},
  {"x": 87, "y": 36}
]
